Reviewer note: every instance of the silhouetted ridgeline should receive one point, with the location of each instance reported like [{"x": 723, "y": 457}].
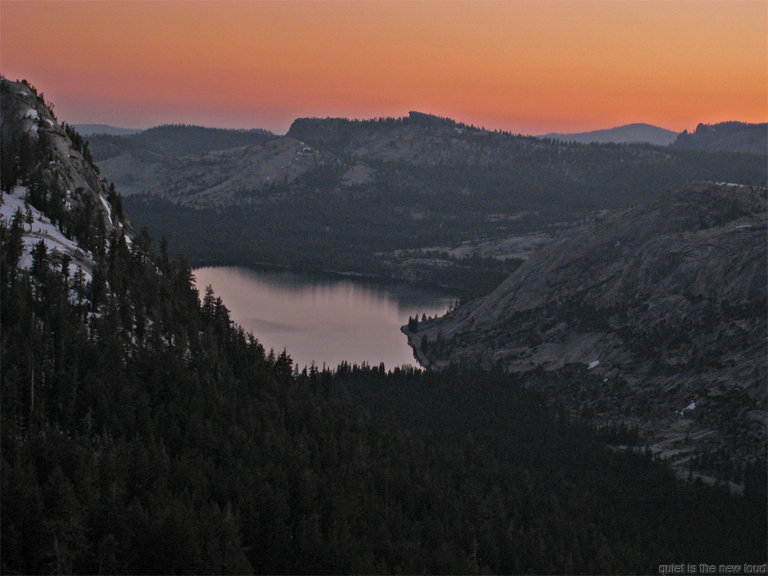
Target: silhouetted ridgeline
[
  {"x": 175, "y": 140},
  {"x": 418, "y": 198},
  {"x": 628, "y": 134},
  {"x": 726, "y": 137}
]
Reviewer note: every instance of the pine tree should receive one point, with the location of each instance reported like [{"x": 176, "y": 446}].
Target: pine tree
[
  {"x": 14, "y": 244},
  {"x": 39, "y": 261}
]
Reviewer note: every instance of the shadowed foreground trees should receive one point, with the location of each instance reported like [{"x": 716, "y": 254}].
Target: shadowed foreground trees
[{"x": 142, "y": 432}]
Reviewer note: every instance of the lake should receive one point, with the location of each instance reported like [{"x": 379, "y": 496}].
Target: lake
[{"x": 322, "y": 320}]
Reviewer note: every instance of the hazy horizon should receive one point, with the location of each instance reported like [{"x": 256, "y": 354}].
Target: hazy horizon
[
  {"x": 522, "y": 67},
  {"x": 282, "y": 133}
]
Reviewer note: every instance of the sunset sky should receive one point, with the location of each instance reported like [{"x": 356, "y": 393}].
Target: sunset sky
[{"x": 523, "y": 66}]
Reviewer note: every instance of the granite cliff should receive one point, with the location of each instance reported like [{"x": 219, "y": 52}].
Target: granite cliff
[
  {"x": 655, "y": 317},
  {"x": 49, "y": 182}
]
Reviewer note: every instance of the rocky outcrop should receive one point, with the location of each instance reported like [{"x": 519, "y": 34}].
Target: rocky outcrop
[
  {"x": 665, "y": 303},
  {"x": 52, "y": 156},
  {"x": 246, "y": 175},
  {"x": 49, "y": 178}
]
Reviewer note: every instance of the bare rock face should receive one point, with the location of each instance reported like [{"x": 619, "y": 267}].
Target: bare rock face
[
  {"x": 245, "y": 175},
  {"x": 50, "y": 183},
  {"x": 52, "y": 162},
  {"x": 664, "y": 303}
]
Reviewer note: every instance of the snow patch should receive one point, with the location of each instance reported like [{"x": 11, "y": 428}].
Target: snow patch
[
  {"x": 107, "y": 207},
  {"x": 593, "y": 364},
  {"x": 31, "y": 113},
  {"x": 689, "y": 408},
  {"x": 731, "y": 184},
  {"x": 42, "y": 229}
]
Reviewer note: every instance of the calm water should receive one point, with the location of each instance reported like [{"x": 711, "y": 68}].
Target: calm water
[{"x": 321, "y": 320}]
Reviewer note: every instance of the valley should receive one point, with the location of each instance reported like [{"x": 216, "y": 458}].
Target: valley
[
  {"x": 440, "y": 204},
  {"x": 596, "y": 402},
  {"x": 372, "y": 197}
]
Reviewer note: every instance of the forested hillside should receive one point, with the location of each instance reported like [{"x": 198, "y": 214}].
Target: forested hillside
[
  {"x": 726, "y": 136},
  {"x": 174, "y": 140},
  {"x": 152, "y": 436}
]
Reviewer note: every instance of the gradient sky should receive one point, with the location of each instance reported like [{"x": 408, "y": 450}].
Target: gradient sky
[{"x": 523, "y": 66}]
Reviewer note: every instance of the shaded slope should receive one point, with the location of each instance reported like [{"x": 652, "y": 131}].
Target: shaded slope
[{"x": 665, "y": 303}]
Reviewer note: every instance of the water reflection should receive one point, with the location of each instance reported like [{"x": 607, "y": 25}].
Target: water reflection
[{"x": 321, "y": 320}]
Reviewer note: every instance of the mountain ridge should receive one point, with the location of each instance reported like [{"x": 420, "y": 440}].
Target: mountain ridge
[
  {"x": 735, "y": 137},
  {"x": 416, "y": 139},
  {"x": 104, "y": 129},
  {"x": 421, "y": 197},
  {"x": 668, "y": 295}
]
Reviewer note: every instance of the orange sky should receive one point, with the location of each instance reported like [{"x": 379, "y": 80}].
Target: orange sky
[{"x": 524, "y": 66}]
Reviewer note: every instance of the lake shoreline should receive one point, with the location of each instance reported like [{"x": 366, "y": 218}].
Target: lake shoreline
[
  {"x": 323, "y": 319},
  {"x": 367, "y": 277}
]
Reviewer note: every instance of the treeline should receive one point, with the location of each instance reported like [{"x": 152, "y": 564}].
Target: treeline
[
  {"x": 733, "y": 136},
  {"x": 280, "y": 236}
]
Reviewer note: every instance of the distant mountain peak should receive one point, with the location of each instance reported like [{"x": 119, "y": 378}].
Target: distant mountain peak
[
  {"x": 424, "y": 118},
  {"x": 636, "y": 133}
]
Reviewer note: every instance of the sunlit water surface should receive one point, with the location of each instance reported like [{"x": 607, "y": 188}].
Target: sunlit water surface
[{"x": 320, "y": 320}]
